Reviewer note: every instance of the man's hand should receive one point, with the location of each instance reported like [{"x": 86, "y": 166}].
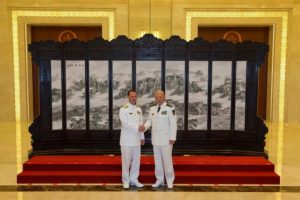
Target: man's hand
[
  {"x": 142, "y": 142},
  {"x": 141, "y": 128},
  {"x": 172, "y": 142}
]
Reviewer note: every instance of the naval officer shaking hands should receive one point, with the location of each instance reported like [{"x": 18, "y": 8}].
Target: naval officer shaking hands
[
  {"x": 162, "y": 118},
  {"x": 131, "y": 140}
]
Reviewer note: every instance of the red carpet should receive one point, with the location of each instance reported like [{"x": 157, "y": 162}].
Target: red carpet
[{"x": 188, "y": 170}]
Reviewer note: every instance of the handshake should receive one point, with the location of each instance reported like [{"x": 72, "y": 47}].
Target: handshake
[{"x": 142, "y": 128}]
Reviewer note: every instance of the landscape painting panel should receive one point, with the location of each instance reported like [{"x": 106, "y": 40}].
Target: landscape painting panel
[
  {"x": 240, "y": 95},
  {"x": 122, "y": 82},
  {"x": 56, "y": 95},
  {"x": 148, "y": 79},
  {"x": 198, "y": 88},
  {"x": 175, "y": 90},
  {"x": 75, "y": 94},
  {"x": 98, "y": 91},
  {"x": 221, "y": 95}
]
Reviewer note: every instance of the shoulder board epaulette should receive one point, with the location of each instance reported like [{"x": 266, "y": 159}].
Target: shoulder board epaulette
[
  {"x": 152, "y": 104},
  {"x": 169, "y": 105},
  {"x": 125, "y": 106},
  {"x": 138, "y": 106}
]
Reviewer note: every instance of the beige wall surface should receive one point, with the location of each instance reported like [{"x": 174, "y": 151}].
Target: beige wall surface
[
  {"x": 132, "y": 17},
  {"x": 6, "y": 68},
  {"x": 293, "y": 67}
]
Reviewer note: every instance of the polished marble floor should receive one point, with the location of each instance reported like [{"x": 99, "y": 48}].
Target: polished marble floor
[
  {"x": 282, "y": 144},
  {"x": 147, "y": 196}
]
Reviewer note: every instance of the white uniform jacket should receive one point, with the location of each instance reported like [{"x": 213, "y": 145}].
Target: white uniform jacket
[
  {"x": 164, "y": 124},
  {"x": 131, "y": 117}
]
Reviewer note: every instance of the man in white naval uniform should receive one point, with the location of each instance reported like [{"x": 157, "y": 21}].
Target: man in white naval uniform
[
  {"x": 162, "y": 118},
  {"x": 131, "y": 140}
]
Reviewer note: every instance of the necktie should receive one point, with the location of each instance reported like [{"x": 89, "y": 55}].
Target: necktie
[{"x": 158, "y": 109}]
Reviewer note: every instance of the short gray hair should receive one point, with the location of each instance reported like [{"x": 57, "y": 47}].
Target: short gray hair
[{"x": 159, "y": 91}]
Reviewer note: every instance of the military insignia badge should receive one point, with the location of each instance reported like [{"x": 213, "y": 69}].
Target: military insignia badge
[
  {"x": 130, "y": 113},
  {"x": 173, "y": 111},
  {"x": 164, "y": 112},
  {"x": 169, "y": 105}
]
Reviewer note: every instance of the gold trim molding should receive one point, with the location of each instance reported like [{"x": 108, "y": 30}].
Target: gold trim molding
[{"x": 15, "y": 16}]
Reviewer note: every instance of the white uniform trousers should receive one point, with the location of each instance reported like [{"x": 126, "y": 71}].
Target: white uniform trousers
[
  {"x": 163, "y": 163},
  {"x": 131, "y": 156}
]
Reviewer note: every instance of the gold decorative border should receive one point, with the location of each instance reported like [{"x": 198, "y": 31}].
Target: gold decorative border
[
  {"x": 73, "y": 35},
  {"x": 15, "y": 14},
  {"x": 283, "y": 15},
  {"x": 235, "y": 33}
]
